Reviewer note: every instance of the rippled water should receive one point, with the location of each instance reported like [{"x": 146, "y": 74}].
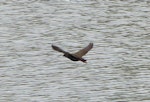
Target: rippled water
[{"x": 118, "y": 68}]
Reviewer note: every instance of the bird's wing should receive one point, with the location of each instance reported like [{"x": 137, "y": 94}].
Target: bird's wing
[
  {"x": 58, "y": 49},
  {"x": 83, "y": 51}
]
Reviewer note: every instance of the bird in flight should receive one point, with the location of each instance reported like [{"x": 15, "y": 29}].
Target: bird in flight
[{"x": 75, "y": 56}]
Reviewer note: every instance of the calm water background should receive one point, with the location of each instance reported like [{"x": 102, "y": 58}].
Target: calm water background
[{"x": 118, "y": 68}]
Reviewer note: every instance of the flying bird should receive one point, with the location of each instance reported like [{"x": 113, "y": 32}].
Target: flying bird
[{"x": 75, "y": 56}]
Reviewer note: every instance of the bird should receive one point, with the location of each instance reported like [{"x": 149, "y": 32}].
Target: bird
[{"x": 77, "y": 56}]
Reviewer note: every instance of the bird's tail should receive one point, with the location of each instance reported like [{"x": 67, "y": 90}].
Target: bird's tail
[{"x": 83, "y": 60}]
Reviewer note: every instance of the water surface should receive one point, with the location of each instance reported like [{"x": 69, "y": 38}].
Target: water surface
[{"x": 118, "y": 65}]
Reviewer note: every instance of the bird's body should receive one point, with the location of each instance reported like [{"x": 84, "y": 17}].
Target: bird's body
[
  {"x": 70, "y": 56},
  {"x": 76, "y": 56}
]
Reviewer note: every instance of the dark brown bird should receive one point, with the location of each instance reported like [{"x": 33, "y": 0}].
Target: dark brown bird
[{"x": 75, "y": 56}]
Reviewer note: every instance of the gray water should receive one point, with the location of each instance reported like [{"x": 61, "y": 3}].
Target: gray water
[{"x": 117, "y": 68}]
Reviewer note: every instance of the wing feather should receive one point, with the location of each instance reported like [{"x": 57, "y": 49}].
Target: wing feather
[
  {"x": 83, "y": 51},
  {"x": 58, "y": 49}
]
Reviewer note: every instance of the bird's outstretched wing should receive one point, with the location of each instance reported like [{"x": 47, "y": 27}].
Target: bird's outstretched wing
[
  {"x": 83, "y": 51},
  {"x": 58, "y": 49}
]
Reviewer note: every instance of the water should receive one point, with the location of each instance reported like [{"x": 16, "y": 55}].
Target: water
[{"x": 118, "y": 65}]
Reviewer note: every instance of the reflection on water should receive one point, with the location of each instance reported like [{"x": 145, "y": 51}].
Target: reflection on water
[{"x": 118, "y": 65}]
